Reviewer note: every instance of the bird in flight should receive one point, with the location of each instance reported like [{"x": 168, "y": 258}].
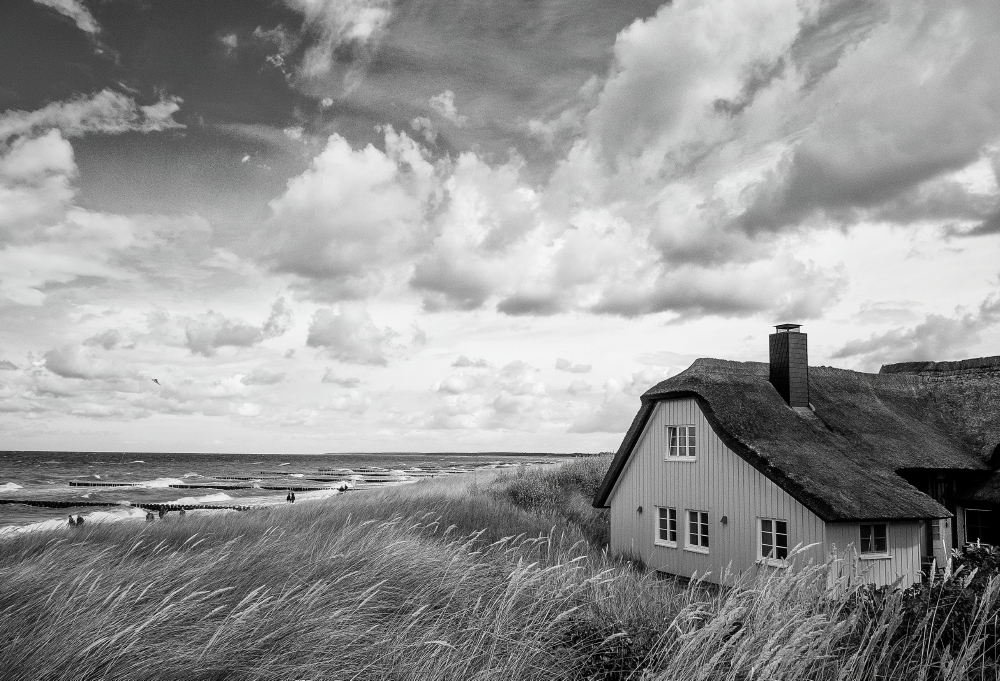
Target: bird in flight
[{"x": 156, "y": 381}]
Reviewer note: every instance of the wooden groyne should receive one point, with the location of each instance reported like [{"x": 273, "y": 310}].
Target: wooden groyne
[
  {"x": 89, "y": 483},
  {"x": 45, "y": 503}
]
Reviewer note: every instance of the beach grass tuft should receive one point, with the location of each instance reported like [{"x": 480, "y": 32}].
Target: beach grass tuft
[{"x": 463, "y": 578}]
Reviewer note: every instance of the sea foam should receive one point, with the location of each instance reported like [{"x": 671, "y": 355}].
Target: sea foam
[
  {"x": 160, "y": 482},
  {"x": 10, "y": 487}
]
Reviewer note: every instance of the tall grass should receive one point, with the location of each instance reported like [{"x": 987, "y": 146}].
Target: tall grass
[{"x": 445, "y": 580}]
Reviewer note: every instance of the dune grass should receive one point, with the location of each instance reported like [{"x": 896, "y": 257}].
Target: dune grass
[{"x": 470, "y": 578}]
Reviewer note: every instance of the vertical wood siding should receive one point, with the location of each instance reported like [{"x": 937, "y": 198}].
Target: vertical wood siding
[
  {"x": 719, "y": 482},
  {"x": 723, "y": 484},
  {"x": 903, "y": 543}
]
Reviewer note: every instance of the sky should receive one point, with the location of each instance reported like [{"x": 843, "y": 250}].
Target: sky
[{"x": 461, "y": 225}]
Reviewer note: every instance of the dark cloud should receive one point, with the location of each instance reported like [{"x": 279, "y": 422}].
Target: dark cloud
[
  {"x": 450, "y": 283},
  {"x": 987, "y": 227},
  {"x": 330, "y": 376},
  {"x": 884, "y": 125},
  {"x": 7, "y": 365},
  {"x": 530, "y": 304},
  {"x": 934, "y": 339}
]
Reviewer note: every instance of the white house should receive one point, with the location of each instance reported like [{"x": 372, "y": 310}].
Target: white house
[{"x": 732, "y": 464}]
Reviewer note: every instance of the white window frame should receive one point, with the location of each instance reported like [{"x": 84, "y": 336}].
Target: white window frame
[
  {"x": 702, "y": 521},
  {"x": 965, "y": 523},
  {"x": 873, "y": 555},
  {"x": 772, "y": 560},
  {"x": 657, "y": 539},
  {"x": 689, "y": 450}
]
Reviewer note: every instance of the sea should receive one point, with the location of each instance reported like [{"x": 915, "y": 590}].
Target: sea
[{"x": 41, "y": 490}]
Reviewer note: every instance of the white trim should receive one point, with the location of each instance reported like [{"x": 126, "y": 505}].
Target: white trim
[
  {"x": 656, "y": 530},
  {"x": 768, "y": 560},
  {"x": 667, "y": 456},
  {"x": 696, "y": 548}
]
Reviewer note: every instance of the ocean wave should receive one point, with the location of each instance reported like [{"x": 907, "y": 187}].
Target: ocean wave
[
  {"x": 296, "y": 475},
  {"x": 137, "y": 461},
  {"x": 192, "y": 475},
  {"x": 123, "y": 513},
  {"x": 285, "y": 464},
  {"x": 160, "y": 482},
  {"x": 208, "y": 498},
  {"x": 10, "y": 487}
]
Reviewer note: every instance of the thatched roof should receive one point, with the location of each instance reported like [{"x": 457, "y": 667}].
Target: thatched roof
[{"x": 842, "y": 459}]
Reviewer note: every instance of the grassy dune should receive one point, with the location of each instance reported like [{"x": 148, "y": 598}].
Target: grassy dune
[{"x": 494, "y": 577}]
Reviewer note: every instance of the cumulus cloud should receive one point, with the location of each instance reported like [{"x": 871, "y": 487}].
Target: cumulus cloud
[
  {"x": 618, "y": 404},
  {"x": 466, "y": 362},
  {"x": 106, "y": 112},
  {"x": 512, "y": 397},
  {"x": 108, "y": 339},
  {"x": 71, "y": 361},
  {"x": 208, "y": 332},
  {"x": 262, "y": 376},
  {"x": 75, "y": 10},
  {"x": 937, "y": 337},
  {"x": 351, "y": 212},
  {"x": 444, "y": 105},
  {"x": 563, "y": 364},
  {"x": 349, "y": 334}
]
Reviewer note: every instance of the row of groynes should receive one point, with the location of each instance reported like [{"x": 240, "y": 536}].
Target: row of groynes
[{"x": 459, "y": 578}]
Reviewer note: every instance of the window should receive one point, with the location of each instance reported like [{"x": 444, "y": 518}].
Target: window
[
  {"x": 666, "y": 526},
  {"x": 978, "y": 526},
  {"x": 680, "y": 442},
  {"x": 773, "y": 548},
  {"x": 873, "y": 539},
  {"x": 697, "y": 531}
]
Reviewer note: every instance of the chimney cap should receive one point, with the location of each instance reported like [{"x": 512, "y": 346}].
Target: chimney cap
[{"x": 788, "y": 328}]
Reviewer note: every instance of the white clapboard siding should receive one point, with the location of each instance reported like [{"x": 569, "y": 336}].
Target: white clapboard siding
[
  {"x": 718, "y": 481},
  {"x": 722, "y": 483},
  {"x": 903, "y": 543}
]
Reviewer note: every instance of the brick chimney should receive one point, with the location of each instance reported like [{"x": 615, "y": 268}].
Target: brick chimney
[{"x": 790, "y": 364}]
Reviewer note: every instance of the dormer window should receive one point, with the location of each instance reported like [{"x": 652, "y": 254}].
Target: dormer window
[{"x": 680, "y": 442}]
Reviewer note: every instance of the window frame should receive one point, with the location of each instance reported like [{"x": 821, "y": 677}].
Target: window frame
[
  {"x": 657, "y": 539},
  {"x": 874, "y": 554},
  {"x": 702, "y": 522},
  {"x": 965, "y": 525},
  {"x": 690, "y": 433},
  {"x": 773, "y": 561}
]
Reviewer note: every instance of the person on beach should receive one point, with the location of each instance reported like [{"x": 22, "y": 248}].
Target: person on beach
[
  {"x": 149, "y": 516},
  {"x": 79, "y": 520},
  {"x": 291, "y": 497},
  {"x": 163, "y": 512},
  {"x": 72, "y": 523}
]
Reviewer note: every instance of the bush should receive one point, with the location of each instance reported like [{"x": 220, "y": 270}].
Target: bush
[{"x": 565, "y": 492}]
